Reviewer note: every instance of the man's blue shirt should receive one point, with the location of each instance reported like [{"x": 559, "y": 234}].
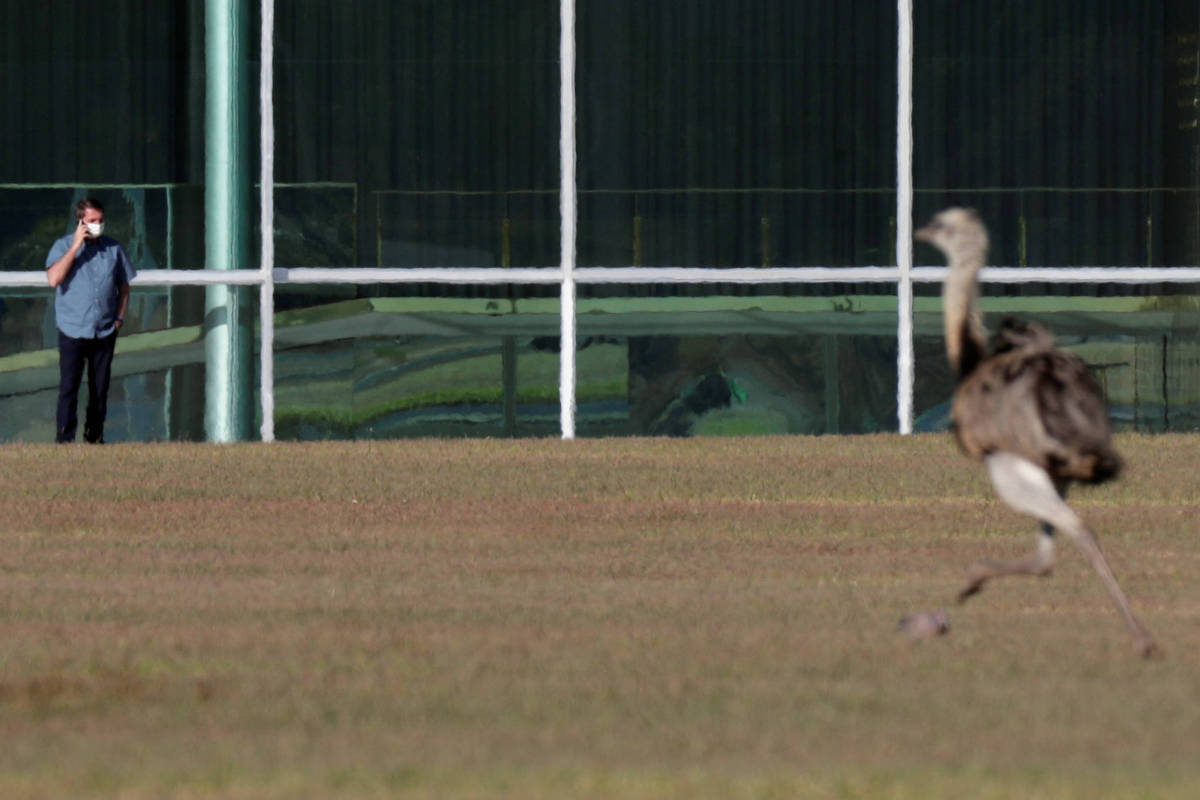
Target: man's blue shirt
[{"x": 85, "y": 303}]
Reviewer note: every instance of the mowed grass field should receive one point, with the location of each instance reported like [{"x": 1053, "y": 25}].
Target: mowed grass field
[{"x": 627, "y": 618}]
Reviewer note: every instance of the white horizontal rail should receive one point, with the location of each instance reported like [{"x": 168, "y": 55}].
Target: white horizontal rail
[
  {"x": 1070, "y": 274},
  {"x": 151, "y": 277},
  {"x": 632, "y": 275},
  {"x": 459, "y": 275}
]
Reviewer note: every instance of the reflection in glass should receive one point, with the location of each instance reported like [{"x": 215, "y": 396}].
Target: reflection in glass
[
  {"x": 761, "y": 361},
  {"x": 1144, "y": 351},
  {"x": 157, "y": 391},
  {"x": 393, "y": 367}
]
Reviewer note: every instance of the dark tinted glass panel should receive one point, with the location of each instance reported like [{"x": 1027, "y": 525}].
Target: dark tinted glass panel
[
  {"x": 436, "y": 113},
  {"x": 736, "y": 134},
  {"x": 1071, "y": 126}
]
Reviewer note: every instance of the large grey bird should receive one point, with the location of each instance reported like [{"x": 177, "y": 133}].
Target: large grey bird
[{"x": 1032, "y": 413}]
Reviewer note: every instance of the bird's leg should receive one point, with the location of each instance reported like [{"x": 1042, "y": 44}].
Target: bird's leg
[
  {"x": 1086, "y": 540},
  {"x": 1028, "y": 488},
  {"x": 1040, "y": 563}
]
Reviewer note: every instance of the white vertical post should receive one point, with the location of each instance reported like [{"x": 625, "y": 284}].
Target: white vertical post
[
  {"x": 904, "y": 198},
  {"x": 567, "y": 211},
  {"x": 266, "y": 149}
]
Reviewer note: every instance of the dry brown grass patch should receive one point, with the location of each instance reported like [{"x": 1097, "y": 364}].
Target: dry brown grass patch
[{"x": 636, "y": 618}]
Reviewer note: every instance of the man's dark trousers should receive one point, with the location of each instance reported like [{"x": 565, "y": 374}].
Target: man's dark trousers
[{"x": 73, "y": 355}]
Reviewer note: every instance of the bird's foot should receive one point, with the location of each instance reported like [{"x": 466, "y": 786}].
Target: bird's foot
[
  {"x": 1147, "y": 648},
  {"x": 981, "y": 572},
  {"x": 969, "y": 590},
  {"x": 977, "y": 575}
]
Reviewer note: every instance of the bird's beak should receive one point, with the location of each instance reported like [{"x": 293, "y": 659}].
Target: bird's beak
[{"x": 923, "y": 234}]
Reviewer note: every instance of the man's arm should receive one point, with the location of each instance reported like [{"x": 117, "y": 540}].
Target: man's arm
[
  {"x": 125, "y": 273},
  {"x": 57, "y": 272},
  {"x": 122, "y": 304}
]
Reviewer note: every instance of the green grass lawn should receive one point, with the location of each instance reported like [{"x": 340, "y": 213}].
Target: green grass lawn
[{"x": 634, "y": 618}]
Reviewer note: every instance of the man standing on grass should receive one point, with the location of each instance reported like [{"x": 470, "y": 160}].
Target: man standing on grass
[{"x": 91, "y": 275}]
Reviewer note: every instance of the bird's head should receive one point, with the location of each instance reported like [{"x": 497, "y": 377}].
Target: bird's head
[{"x": 959, "y": 233}]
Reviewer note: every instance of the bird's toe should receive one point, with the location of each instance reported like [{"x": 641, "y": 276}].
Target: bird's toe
[
  {"x": 1148, "y": 648},
  {"x": 972, "y": 588}
]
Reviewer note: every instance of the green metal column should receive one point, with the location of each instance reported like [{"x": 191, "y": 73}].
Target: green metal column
[{"x": 228, "y": 328}]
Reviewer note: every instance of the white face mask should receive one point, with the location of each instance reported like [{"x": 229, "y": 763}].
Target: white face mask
[{"x": 94, "y": 228}]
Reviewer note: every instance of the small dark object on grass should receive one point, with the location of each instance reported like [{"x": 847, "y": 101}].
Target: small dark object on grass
[{"x": 925, "y": 625}]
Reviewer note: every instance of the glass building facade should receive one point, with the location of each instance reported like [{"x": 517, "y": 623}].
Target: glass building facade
[{"x": 754, "y": 134}]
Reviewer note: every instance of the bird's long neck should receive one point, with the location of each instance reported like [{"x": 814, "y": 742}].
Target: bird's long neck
[{"x": 966, "y": 339}]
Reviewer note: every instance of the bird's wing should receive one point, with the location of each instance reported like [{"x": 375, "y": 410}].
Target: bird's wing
[
  {"x": 1074, "y": 414},
  {"x": 1041, "y": 404}
]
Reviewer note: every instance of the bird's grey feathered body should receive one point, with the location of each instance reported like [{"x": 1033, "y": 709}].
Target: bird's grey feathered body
[
  {"x": 1028, "y": 398},
  {"x": 1031, "y": 412}
]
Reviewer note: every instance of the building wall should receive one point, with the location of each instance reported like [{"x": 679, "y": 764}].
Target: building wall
[{"x": 725, "y": 134}]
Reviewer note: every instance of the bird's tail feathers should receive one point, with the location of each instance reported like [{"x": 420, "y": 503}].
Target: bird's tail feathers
[
  {"x": 1107, "y": 466},
  {"x": 1097, "y": 466}
]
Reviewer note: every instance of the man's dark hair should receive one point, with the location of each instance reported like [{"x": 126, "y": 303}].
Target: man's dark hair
[{"x": 88, "y": 202}]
